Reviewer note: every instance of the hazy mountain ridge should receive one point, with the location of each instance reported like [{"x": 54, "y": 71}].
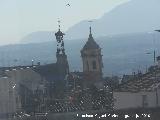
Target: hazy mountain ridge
[
  {"x": 118, "y": 57},
  {"x": 131, "y": 17},
  {"x": 38, "y": 37}
]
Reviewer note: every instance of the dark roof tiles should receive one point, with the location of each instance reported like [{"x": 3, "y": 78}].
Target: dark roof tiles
[
  {"x": 144, "y": 84},
  {"x": 91, "y": 43}
]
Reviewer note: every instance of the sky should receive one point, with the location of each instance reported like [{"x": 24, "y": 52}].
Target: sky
[{"x": 19, "y": 18}]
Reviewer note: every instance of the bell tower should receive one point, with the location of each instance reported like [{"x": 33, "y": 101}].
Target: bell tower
[
  {"x": 62, "y": 61},
  {"x": 92, "y": 60}
]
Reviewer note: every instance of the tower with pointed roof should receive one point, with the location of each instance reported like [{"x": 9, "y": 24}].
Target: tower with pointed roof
[
  {"x": 92, "y": 60},
  {"x": 62, "y": 61}
]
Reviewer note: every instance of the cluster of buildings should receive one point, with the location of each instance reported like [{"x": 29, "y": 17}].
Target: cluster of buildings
[
  {"x": 53, "y": 88},
  {"x": 143, "y": 91},
  {"x": 36, "y": 88}
]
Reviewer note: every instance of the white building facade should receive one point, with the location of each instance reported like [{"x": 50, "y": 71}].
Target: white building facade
[
  {"x": 127, "y": 100},
  {"x": 141, "y": 93},
  {"x": 8, "y": 100}
]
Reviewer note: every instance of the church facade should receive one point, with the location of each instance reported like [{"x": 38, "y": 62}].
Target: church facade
[{"x": 42, "y": 85}]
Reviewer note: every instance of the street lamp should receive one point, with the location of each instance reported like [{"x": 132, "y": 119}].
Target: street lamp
[
  {"x": 32, "y": 62},
  {"x": 154, "y": 51}
]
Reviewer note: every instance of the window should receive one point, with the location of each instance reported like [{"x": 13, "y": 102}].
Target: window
[{"x": 94, "y": 65}]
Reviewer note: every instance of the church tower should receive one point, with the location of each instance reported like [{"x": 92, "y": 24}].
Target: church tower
[
  {"x": 92, "y": 61},
  {"x": 62, "y": 61}
]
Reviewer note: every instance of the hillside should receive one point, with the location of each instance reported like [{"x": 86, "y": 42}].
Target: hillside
[
  {"x": 128, "y": 18},
  {"x": 131, "y": 17},
  {"x": 38, "y": 37},
  {"x": 118, "y": 57}
]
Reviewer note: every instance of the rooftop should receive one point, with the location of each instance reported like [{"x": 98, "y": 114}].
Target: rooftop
[{"x": 147, "y": 82}]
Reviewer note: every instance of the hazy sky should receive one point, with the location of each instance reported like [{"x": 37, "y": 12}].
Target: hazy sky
[{"x": 21, "y": 17}]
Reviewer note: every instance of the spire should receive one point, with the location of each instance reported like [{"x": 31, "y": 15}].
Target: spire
[
  {"x": 90, "y": 34},
  {"x": 62, "y": 61},
  {"x": 90, "y": 31},
  {"x": 90, "y": 44},
  {"x": 60, "y": 43}
]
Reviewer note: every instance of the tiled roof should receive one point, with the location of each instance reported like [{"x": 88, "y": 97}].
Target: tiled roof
[
  {"x": 147, "y": 82},
  {"x": 51, "y": 71},
  {"x": 158, "y": 58},
  {"x": 91, "y": 44}
]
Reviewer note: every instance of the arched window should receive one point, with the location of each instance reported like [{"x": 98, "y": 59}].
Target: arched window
[{"x": 94, "y": 65}]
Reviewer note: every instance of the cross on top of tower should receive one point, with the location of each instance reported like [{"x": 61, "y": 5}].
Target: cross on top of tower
[{"x": 59, "y": 22}]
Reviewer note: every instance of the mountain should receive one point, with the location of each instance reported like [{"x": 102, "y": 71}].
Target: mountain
[
  {"x": 121, "y": 33},
  {"x": 131, "y": 17},
  {"x": 38, "y": 37},
  {"x": 130, "y": 54}
]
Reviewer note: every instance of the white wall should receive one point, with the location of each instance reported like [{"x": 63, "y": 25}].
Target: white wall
[
  {"x": 125, "y": 100},
  {"x": 27, "y": 77},
  {"x": 7, "y": 96}
]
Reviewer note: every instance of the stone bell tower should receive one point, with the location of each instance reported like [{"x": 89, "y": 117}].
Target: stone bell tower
[
  {"x": 62, "y": 61},
  {"x": 92, "y": 61}
]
